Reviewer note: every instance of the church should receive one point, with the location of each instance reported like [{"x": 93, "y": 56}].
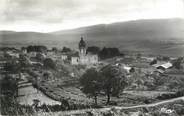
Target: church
[{"x": 83, "y": 57}]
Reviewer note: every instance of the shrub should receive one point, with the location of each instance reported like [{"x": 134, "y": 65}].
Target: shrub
[{"x": 49, "y": 63}]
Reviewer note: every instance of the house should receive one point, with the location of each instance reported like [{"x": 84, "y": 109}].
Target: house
[
  {"x": 83, "y": 57},
  {"x": 74, "y": 60},
  {"x": 127, "y": 68},
  {"x": 163, "y": 65},
  {"x": 36, "y": 63},
  {"x": 56, "y": 56},
  {"x": 64, "y": 56},
  {"x": 12, "y": 54},
  {"x": 2, "y": 64},
  {"x": 32, "y": 54}
]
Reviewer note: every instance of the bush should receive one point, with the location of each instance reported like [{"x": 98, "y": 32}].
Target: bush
[
  {"x": 49, "y": 63},
  {"x": 109, "y": 53},
  {"x": 180, "y": 93},
  {"x": 36, "y": 49},
  {"x": 167, "y": 96},
  {"x": 65, "y": 49}
]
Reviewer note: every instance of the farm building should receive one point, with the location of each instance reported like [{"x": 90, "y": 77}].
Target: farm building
[{"x": 163, "y": 66}]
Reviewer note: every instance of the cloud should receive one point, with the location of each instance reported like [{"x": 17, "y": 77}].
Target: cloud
[{"x": 68, "y": 13}]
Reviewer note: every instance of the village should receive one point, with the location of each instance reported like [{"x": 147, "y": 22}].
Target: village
[{"x": 50, "y": 77}]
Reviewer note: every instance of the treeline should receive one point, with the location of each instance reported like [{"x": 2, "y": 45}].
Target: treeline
[
  {"x": 105, "y": 52},
  {"x": 166, "y": 96},
  {"x": 8, "y": 48},
  {"x": 41, "y": 48},
  {"x": 35, "y": 48}
]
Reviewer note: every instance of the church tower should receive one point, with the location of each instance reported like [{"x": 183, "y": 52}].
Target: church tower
[{"x": 82, "y": 47}]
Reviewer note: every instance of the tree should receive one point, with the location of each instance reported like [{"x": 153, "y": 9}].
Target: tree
[
  {"x": 54, "y": 49},
  {"x": 109, "y": 53},
  {"x": 113, "y": 81},
  {"x": 65, "y": 49},
  {"x": 139, "y": 55},
  {"x": 91, "y": 84},
  {"x": 40, "y": 57},
  {"x": 166, "y": 58},
  {"x": 9, "y": 86},
  {"x": 153, "y": 62},
  {"x": 47, "y": 75},
  {"x": 9, "y": 91},
  {"x": 178, "y": 63},
  {"x": 39, "y": 48},
  {"x": 13, "y": 66},
  {"x": 24, "y": 61},
  {"x": 49, "y": 63}
]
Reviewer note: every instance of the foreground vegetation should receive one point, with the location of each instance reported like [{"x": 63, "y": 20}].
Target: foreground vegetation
[{"x": 174, "y": 108}]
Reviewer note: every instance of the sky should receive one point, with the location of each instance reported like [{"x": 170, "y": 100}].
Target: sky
[{"x": 54, "y": 15}]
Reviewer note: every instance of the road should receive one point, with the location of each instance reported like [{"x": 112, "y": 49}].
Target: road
[
  {"x": 154, "y": 104},
  {"x": 120, "y": 108}
]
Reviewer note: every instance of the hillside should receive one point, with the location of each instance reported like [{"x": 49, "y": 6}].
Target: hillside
[
  {"x": 163, "y": 30},
  {"x": 164, "y": 36}
]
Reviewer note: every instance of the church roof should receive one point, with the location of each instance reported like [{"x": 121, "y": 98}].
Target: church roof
[{"x": 75, "y": 54}]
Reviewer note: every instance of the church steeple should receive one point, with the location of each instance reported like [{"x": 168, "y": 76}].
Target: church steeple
[
  {"x": 82, "y": 43},
  {"x": 82, "y": 46}
]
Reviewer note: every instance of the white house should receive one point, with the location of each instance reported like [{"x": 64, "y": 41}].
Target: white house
[
  {"x": 64, "y": 56},
  {"x": 74, "y": 60},
  {"x": 163, "y": 65},
  {"x": 12, "y": 54},
  {"x": 125, "y": 67}
]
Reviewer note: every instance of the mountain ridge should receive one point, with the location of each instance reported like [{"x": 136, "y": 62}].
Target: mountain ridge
[{"x": 158, "y": 35}]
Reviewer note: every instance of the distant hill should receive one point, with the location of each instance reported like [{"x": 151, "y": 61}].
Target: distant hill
[
  {"x": 160, "y": 29},
  {"x": 161, "y": 36}
]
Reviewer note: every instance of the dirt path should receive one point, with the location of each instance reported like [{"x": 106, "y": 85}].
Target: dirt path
[
  {"x": 154, "y": 104},
  {"x": 116, "y": 107}
]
